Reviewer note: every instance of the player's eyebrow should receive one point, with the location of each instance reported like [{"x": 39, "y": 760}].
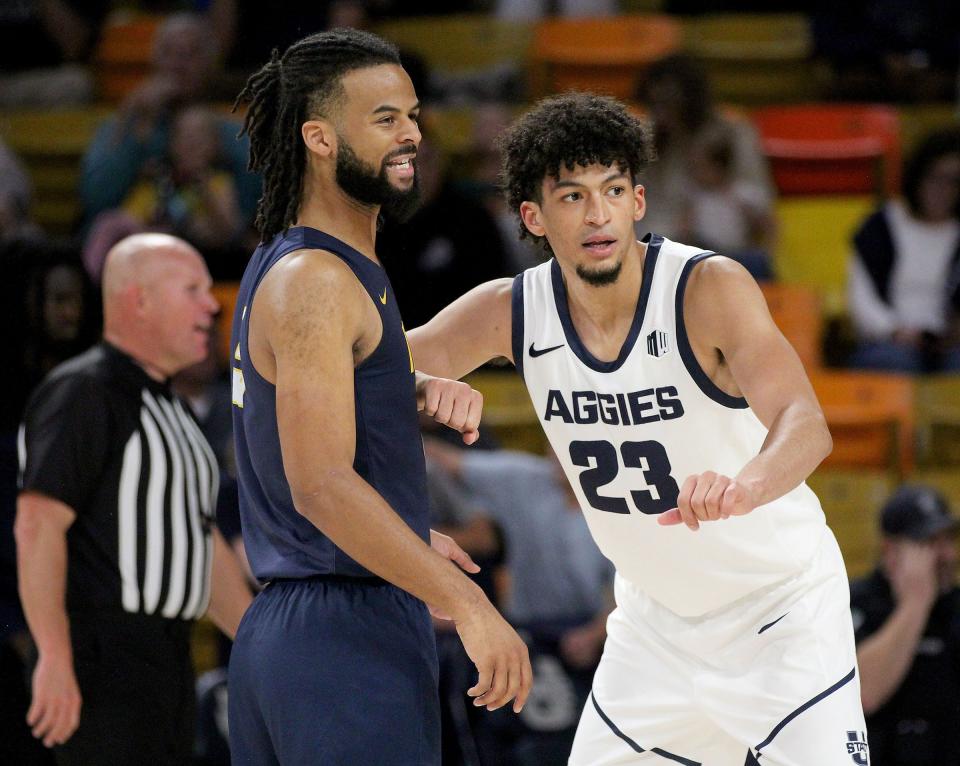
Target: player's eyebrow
[
  {"x": 394, "y": 109},
  {"x": 573, "y": 184}
]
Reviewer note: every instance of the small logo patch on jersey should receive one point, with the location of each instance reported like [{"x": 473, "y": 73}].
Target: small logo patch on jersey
[
  {"x": 857, "y": 747},
  {"x": 535, "y": 352},
  {"x": 658, "y": 343},
  {"x": 383, "y": 298}
]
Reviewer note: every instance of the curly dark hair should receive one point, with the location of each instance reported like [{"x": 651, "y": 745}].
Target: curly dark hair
[
  {"x": 569, "y": 130},
  {"x": 304, "y": 83},
  {"x": 940, "y": 143}
]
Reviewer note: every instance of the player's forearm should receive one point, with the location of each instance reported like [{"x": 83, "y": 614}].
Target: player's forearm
[
  {"x": 885, "y": 657},
  {"x": 797, "y": 442},
  {"x": 42, "y": 576},
  {"x": 229, "y": 593},
  {"x": 360, "y": 522}
]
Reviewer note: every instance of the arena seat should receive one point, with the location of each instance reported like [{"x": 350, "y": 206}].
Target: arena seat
[
  {"x": 123, "y": 55},
  {"x": 851, "y": 501},
  {"x": 871, "y": 418},
  {"x": 507, "y": 409},
  {"x": 813, "y": 243},
  {"x": 797, "y": 312},
  {"x": 226, "y": 295},
  {"x": 832, "y": 148},
  {"x": 604, "y": 55},
  {"x": 755, "y": 58},
  {"x": 938, "y": 420},
  {"x": 52, "y": 156}
]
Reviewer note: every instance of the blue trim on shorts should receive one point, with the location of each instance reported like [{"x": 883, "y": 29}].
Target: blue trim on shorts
[
  {"x": 516, "y": 321},
  {"x": 634, "y": 745},
  {"x": 701, "y": 378},
  {"x": 805, "y": 706}
]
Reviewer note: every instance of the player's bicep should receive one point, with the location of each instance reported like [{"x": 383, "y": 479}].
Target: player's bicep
[
  {"x": 466, "y": 334},
  {"x": 764, "y": 365},
  {"x": 312, "y": 342}
]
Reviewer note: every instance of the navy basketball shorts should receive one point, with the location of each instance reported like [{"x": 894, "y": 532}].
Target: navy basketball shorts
[{"x": 334, "y": 671}]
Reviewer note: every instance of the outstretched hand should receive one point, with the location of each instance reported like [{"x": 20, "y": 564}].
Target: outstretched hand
[
  {"x": 708, "y": 496},
  {"x": 451, "y": 403}
]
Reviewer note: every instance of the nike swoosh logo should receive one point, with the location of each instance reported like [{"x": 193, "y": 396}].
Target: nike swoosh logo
[
  {"x": 383, "y": 298},
  {"x": 771, "y": 624},
  {"x": 534, "y": 352}
]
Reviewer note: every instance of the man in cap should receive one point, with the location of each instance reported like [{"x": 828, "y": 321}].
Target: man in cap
[{"x": 907, "y": 620}]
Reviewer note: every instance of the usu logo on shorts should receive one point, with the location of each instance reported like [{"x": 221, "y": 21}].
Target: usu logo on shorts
[
  {"x": 658, "y": 343},
  {"x": 857, "y": 747}
]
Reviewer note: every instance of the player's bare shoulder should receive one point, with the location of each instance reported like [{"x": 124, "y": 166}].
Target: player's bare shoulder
[
  {"x": 721, "y": 297},
  {"x": 307, "y": 296}
]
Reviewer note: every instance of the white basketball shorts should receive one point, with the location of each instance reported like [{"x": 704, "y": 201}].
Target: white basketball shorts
[{"x": 770, "y": 679}]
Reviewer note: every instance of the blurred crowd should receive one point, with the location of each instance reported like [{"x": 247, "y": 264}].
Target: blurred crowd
[{"x": 168, "y": 158}]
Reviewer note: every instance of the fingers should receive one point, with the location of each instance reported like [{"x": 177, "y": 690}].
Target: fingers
[
  {"x": 462, "y": 559},
  {"x": 526, "y": 684},
  {"x": 456, "y": 405},
  {"x": 707, "y": 496},
  {"x": 484, "y": 677},
  {"x": 52, "y": 721}
]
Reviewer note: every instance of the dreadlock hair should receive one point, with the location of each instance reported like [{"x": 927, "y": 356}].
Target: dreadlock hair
[
  {"x": 569, "y": 130},
  {"x": 304, "y": 83}
]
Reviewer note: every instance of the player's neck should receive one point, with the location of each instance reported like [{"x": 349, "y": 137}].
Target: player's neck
[
  {"x": 329, "y": 209},
  {"x": 603, "y": 315},
  {"x": 605, "y": 306}
]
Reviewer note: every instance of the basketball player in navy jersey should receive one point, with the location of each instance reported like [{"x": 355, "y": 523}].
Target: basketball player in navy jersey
[
  {"x": 687, "y": 427},
  {"x": 335, "y": 662}
]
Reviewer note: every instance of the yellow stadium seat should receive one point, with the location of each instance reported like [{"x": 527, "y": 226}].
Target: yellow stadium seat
[
  {"x": 507, "y": 409},
  {"x": 755, "y": 58},
  {"x": 938, "y": 420},
  {"x": 796, "y": 310},
  {"x": 814, "y": 241},
  {"x": 851, "y": 501},
  {"x": 871, "y": 419},
  {"x": 460, "y": 42}
]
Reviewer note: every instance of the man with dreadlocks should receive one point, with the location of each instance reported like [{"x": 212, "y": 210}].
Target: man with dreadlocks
[
  {"x": 687, "y": 427},
  {"x": 336, "y": 661}
]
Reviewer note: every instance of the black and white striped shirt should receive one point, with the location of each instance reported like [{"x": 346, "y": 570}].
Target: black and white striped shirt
[{"x": 126, "y": 455}]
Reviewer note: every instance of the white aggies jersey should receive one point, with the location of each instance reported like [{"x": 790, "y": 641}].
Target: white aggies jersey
[{"x": 629, "y": 432}]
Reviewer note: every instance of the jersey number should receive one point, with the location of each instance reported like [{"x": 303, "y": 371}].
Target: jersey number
[{"x": 600, "y": 460}]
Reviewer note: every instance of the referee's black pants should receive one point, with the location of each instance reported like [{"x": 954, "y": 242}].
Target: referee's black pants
[{"x": 137, "y": 684}]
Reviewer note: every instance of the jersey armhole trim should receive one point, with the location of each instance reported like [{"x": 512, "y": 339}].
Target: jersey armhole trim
[
  {"x": 516, "y": 321},
  {"x": 701, "y": 378}
]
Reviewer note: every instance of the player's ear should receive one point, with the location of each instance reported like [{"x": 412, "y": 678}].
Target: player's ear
[
  {"x": 530, "y": 214},
  {"x": 319, "y": 136},
  {"x": 639, "y": 196}
]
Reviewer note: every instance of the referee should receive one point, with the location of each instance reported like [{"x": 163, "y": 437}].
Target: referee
[{"x": 117, "y": 551}]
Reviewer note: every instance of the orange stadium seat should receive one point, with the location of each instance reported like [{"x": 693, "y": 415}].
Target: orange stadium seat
[
  {"x": 871, "y": 418},
  {"x": 123, "y": 55},
  {"x": 226, "y": 295},
  {"x": 605, "y": 55},
  {"x": 797, "y": 311},
  {"x": 832, "y": 148}
]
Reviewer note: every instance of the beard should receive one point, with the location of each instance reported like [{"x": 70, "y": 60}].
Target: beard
[
  {"x": 368, "y": 187},
  {"x": 600, "y": 277}
]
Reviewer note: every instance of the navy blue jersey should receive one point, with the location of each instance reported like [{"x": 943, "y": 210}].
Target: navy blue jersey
[{"x": 389, "y": 452}]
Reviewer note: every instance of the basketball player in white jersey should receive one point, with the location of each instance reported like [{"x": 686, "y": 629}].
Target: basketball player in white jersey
[{"x": 687, "y": 426}]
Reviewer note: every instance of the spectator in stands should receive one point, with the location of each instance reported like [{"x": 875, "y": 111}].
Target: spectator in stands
[
  {"x": 906, "y": 615},
  {"x": 15, "y": 198},
  {"x": 44, "y": 45},
  {"x": 724, "y": 213},
  {"x": 677, "y": 94},
  {"x": 903, "y": 286},
  {"x": 184, "y": 60},
  {"x": 187, "y": 193},
  {"x": 449, "y": 246}
]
